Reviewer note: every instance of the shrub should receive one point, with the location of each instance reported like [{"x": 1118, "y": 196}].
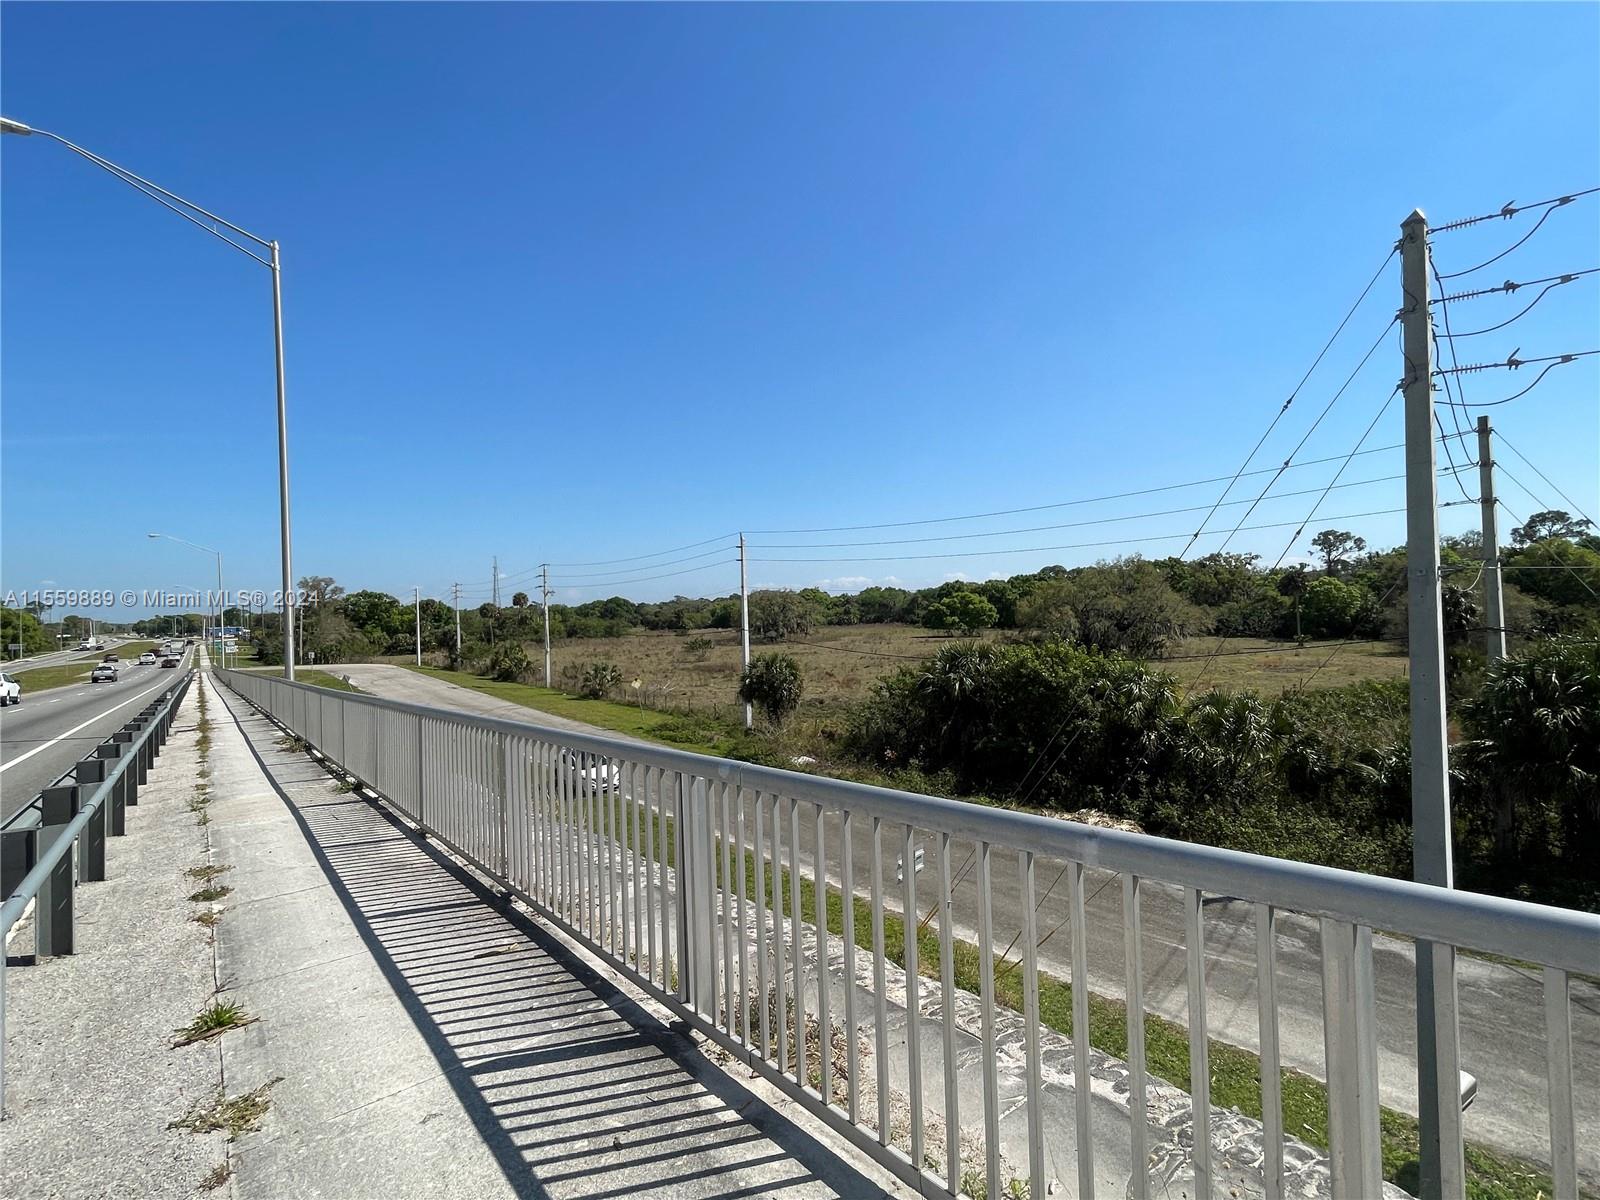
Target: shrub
[
  {"x": 509, "y": 663},
  {"x": 600, "y": 680},
  {"x": 772, "y": 682},
  {"x": 963, "y": 612},
  {"x": 1534, "y": 754},
  {"x": 1329, "y": 608}
]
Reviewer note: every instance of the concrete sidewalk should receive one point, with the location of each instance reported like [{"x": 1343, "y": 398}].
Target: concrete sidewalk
[{"x": 419, "y": 1038}]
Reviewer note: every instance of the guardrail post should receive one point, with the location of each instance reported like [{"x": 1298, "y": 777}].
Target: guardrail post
[
  {"x": 19, "y": 850},
  {"x": 92, "y": 842},
  {"x": 695, "y": 888},
  {"x": 52, "y": 912},
  {"x": 131, "y": 776},
  {"x": 141, "y": 758},
  {"x": 113, "y": 819}
]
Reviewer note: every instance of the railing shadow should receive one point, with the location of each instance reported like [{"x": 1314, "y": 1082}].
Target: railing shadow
[{"x": 570, "y": 1083}]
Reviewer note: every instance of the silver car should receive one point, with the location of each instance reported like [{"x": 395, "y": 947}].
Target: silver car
[{"x": 104, "y": 673}]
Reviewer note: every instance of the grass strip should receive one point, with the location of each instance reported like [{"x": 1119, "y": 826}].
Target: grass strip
[{"x": 1235, "y": 1072}]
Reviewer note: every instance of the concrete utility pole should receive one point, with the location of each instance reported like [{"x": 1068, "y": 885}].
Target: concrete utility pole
[
  {"x": 455, "y": 597},
  {"x": 1494, "y": 604},
  {"x": 416, "y": 594},
  {"x": 744, "y": 625},
  {"x": 544, "y": 596},
  {"x": 1438, "y": 1034},
  {"x": 495, "y": 592}
]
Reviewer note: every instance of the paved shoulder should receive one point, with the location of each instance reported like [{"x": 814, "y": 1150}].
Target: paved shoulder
[{"x": 397, "y": 683}]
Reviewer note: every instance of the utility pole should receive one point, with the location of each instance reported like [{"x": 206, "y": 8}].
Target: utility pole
[
  {"x": 544, "y": 596},
  {"x": 744, "y": 625},
  {"x": 494, "y": 594},
  {"x": 1438, "y": 1034},
  {"x": 1494, "y": 605},
  {"x": 496, "y": 588},
  {"x": 455, "y": 597},
  {"x": 416, "y": 594}
]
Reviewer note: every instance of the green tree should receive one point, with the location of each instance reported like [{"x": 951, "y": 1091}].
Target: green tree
[
  {"x": 1337, "y": 547},
  {"x": 20, "y": 627},
  {"x": 1048, "y": 610},
  {"x": 1330, "y": 607},
  {"x": 1550, "y": 523},
  {"x": 960, "y": 612},
  {"x": 1125, "y": 606},
  {"x": 1556, "y": 571},
  {"x": 1293, "y": 584},
  {"x": 520, "y": 600},
  {"x": 775, "y": 615},
  {"x": 772, "y": 683}
]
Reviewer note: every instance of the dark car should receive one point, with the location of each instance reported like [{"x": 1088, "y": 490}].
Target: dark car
[
  {"x": 111, "y": 658},
  {"x": 169, "y": 661}
]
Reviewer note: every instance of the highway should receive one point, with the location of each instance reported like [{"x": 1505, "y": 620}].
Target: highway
[
  {"x": 1502, "y": 1027},
  {"x": 49, "y": 731}
]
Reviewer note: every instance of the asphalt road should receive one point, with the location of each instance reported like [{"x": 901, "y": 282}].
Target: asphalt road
[
  {"x": 1502, "y": 1016},
  {"x": 41, "y": 738}
]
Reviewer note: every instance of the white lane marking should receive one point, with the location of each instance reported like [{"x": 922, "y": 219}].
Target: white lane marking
[{"x": 75, "y": 728}]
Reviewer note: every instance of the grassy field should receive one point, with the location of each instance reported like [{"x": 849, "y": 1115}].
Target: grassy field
[
  {"x": 42, "y": 679},
  {"x": 840, "y": 663},
  {"x": 647, "y": 723},
  {"x": 1274, "y": 667}
]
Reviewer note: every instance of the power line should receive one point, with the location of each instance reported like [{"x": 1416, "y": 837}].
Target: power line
[
  {"x": 1559, "y": 281},
  {"x": 1300, "y": 528},
  {"x": 606, "y": 562},
  {"x": 1449, "y": 388},
  {"x": 1553, "y": 361},
  {"x": 1506, "y": 442},
  {"x": 1273, "y": 424},
  {"x": 1165, "y": 537},
  {"x": 1516, "y": 245},
  {"x": 1510, "y": 210},
  {"x": 1307, "y": 435},
  {"x": 954, "y": 537},
  {"x": 646, "y": 579},
  {"x": 1508, "y": 287},
  {"x": 1011, "y": 512},
  {"x": 671, "y": 562}
]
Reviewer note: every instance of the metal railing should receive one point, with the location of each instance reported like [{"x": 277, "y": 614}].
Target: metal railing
[
  {"x": 702, "y": 880},
  {"x": 79, "y": 812}
]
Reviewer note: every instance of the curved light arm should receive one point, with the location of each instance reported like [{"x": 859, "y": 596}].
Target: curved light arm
[
  {"x": 185, "y": 541},
  {"x": 184, "y": 208}
]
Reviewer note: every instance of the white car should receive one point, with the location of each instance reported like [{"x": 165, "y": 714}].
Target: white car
[
  {"x": 10, "y": 689},
  {"x": 598, "y": 775},
  {"x": 147, "y": 659}
]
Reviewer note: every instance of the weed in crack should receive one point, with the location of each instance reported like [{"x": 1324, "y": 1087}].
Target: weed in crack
[
  {"x": 212, "y": 891},
  {"x": 215, "y": 1018},
  {"x": 232, "y": 1114}
]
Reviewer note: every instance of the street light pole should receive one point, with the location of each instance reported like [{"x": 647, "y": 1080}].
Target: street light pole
[
  {"x": 193, "y": 213},
  {"x": 222, "y": 596},
  {"x": 283, "y": 458}
]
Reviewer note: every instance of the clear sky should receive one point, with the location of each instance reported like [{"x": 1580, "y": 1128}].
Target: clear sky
[{"x": 586, "y": 283}]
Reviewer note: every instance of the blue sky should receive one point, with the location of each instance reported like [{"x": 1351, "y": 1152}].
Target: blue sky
[{"x": 587, "y": 283}]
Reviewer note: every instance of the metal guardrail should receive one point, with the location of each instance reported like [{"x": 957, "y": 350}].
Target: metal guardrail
[
  {"x": 79, "y": 811},
  {"x": 632, "y": 849}
]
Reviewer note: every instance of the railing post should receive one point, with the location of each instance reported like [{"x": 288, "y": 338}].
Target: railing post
[
  {"x": 1355, "y": 1157},
  {"x": 52, "y": 912},
  {"x": 699, "y": 864}
]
